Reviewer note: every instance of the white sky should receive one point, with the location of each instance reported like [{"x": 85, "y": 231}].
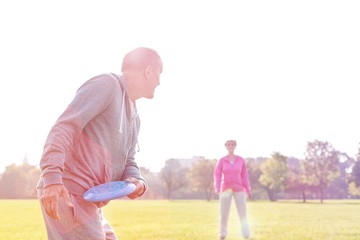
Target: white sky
[{"x": 271, "y": 74}]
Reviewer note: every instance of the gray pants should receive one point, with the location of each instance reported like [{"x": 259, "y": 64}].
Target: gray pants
[
  {"x": 83, "y": 221},
  {"x": 225, "y": 204}
]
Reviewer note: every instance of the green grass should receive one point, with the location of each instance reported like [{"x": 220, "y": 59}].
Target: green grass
[
  {"x": 185, "y": 220},
  {"x": 21, "y": 219}
]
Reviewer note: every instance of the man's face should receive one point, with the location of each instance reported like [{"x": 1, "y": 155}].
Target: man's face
[{"x": 153, "y": 80}]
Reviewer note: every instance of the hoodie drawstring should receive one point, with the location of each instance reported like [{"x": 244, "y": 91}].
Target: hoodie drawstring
[{"x": 122, "y": 113}]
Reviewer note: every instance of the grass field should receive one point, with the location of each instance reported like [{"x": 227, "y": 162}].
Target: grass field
[{"x": 198, "y": 220}]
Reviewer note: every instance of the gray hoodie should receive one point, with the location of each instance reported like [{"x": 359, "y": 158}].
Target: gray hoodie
[{"x": 94, "y": 140}]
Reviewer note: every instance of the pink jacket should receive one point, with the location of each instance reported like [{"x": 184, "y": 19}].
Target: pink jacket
[{"x": 232, "y": 176}]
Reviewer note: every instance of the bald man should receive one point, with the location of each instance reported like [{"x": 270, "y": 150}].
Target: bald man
[{"x": 93, "y": 142}]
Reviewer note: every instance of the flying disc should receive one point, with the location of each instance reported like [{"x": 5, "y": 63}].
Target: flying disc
[{"x": 108, "y": 191}]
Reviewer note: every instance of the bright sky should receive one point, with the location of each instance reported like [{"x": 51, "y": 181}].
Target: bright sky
[{"x": 271, "y": 74}]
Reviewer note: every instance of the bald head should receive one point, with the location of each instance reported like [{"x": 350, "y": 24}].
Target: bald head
[
  {"x": 141, "y": 69},
  {"x": 139, "y": 59}
]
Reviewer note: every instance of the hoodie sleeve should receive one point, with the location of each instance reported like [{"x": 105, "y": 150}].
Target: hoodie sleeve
[
  {"x": 132, "y": 169},
  {"x": 245, "y": 178},
  {"x": 218, "y": 176},
  {"x": 91, "y": 99}
]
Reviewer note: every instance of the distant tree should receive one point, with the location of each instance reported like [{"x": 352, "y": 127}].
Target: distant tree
[
  {"x": 320, "y": 167},
  {"x": 173, "y": 176},
  {"x": 338, "y": 188},
  {"x": 355, "y": 174},
  {"x": 353, "y": 189},
  {"x": 273, "y": 176},
  {"x": 32, "y": 178},
  {"x": 19, "y": 181},
  {"x": 155, "y": 188},
  {"x": 1, "y": 187},
  {"x": 354, "y": 179},
  {"x": 294, "y": 181},
  {"x": 13, "y": 182},
  {"x": 254, "y": 173},
  {"x": 200, "y": 177}
]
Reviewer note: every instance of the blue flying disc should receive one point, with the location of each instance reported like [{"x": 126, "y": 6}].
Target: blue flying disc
[{"x": 108, "y": 191}]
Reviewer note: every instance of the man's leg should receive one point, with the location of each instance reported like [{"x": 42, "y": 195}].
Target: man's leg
[
  {"x": 109, "y": 231},
  {"x": 240, "y": 202},
  {"x": 83, "y": 221},
  {"x": 225, "y": 204}
]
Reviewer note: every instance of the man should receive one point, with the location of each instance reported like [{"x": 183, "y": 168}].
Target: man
[{"x": 94, "y": 142}]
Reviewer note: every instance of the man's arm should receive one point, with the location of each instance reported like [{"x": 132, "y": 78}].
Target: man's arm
[
  {"x": 132, "y": 174},
  {"x": 90, "y": 99},
  {"x": 50, "y": 197}
]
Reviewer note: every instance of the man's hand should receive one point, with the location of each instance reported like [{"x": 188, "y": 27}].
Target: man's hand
[
  {"x": 50, "y": 199},
  {"x": 140, "y": 187}
]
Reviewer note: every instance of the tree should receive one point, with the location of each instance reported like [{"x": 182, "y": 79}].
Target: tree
[
  {"x": 155, "y": 188},
  {"x": 338, "y": 188},
  {"x": 354, "y": 183},
  {"x": 1, "y": 187},
  {"x": 294, "y": 182},
  {"x": 19, "y": 181},
  {"x": 321, "y": 165},
  {"x": 354, "y": 180},
  {"x": 13, "y": 183},
  {"x": 254, "y": 173},
  {"x": 201, "y": 177},
  {"x": 355, "y": 173},
  {"x": 32, "y": 175},
  {"x": 353, "y": 189},
  {"x": 273, "y": 176},
  {"x": 173, "y": 176}
]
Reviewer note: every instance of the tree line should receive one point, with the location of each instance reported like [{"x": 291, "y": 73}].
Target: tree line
[{"x": 323, "y": 173}]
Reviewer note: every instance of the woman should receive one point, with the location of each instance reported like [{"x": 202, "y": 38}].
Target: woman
[{"x": 231, "y": 181}]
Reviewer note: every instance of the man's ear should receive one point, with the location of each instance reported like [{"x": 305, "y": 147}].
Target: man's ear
[{"x": 148, "y": 71}]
